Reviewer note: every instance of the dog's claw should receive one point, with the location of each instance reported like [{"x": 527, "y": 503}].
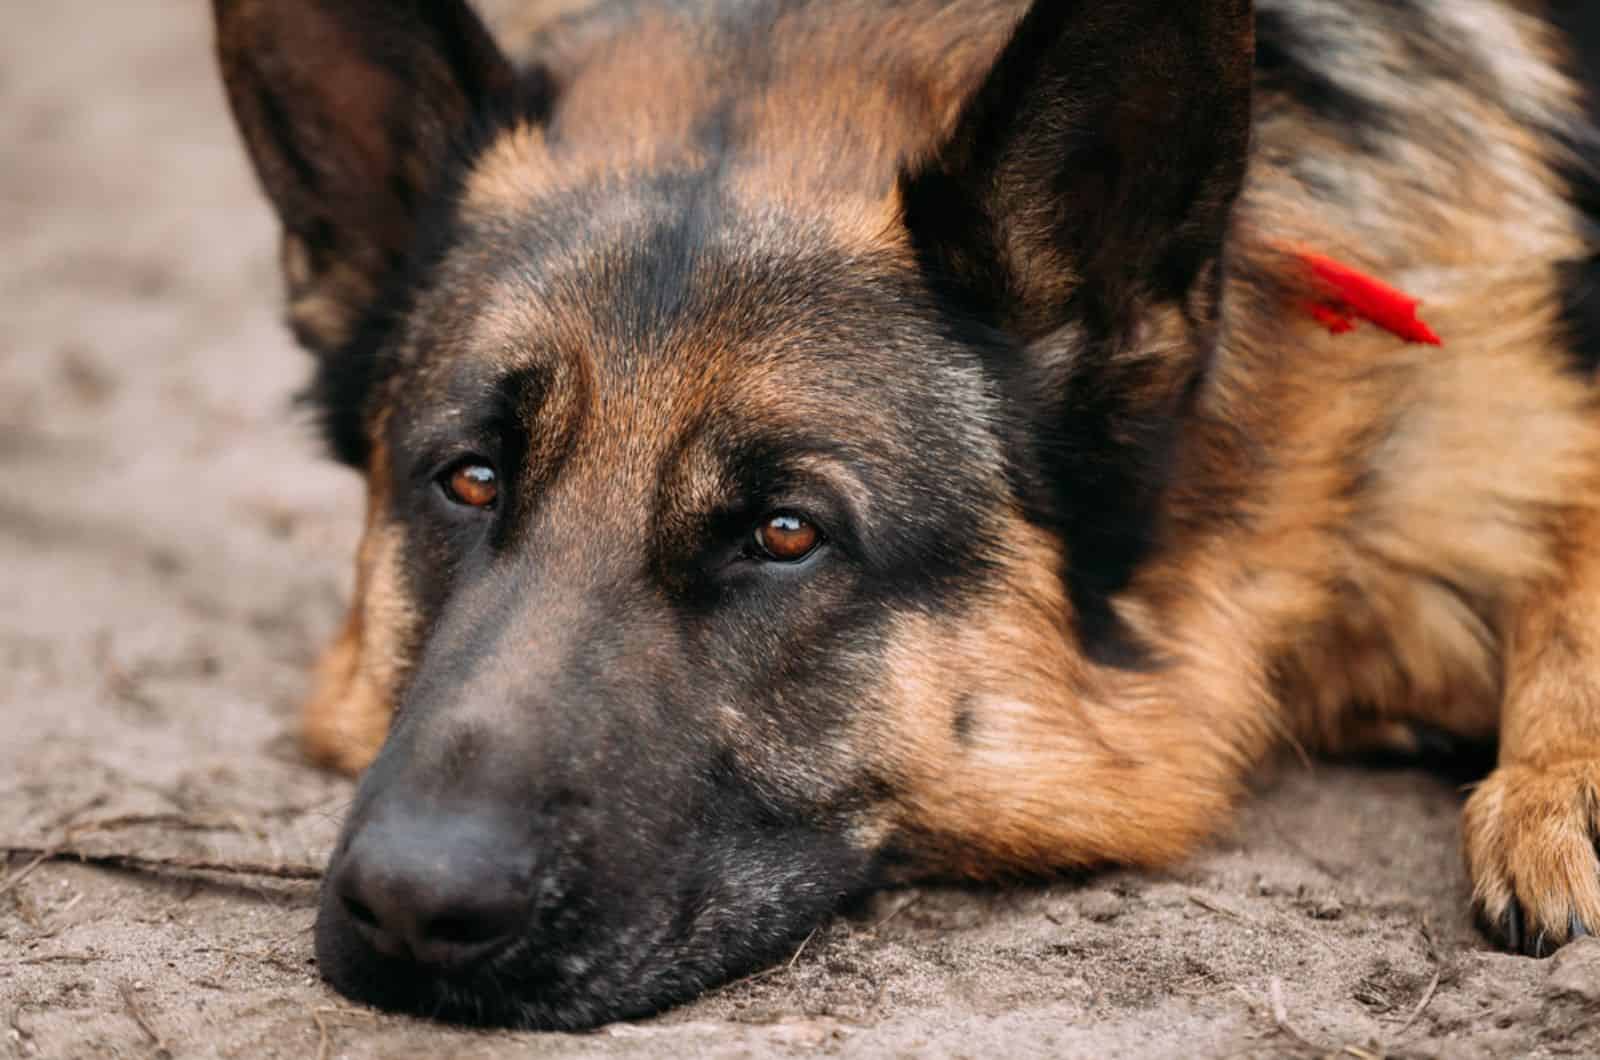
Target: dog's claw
[
  {"x": 1512, "y": 931},
  {"x": 1511, "y": 927},
  {"x": 1533, "y": 851}
]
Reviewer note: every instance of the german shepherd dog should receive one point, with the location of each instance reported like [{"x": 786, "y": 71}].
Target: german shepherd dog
[{"x": 811, "y": 443}]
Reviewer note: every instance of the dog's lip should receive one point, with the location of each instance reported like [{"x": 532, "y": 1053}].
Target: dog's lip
[
  {"x": 452, "y": 960},
  {"x": 510, "y": 987}
]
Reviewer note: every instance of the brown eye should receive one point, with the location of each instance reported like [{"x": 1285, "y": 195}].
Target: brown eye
[
  {"x": 472, "y": 484},
  {"x": 787, "y": 538}
]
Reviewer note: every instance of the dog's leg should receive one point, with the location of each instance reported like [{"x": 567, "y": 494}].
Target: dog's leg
[{"x": 1531, "y": 827}]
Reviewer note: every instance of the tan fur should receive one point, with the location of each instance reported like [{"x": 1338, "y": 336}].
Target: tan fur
[
  {"x": 346, "y": 718},
  {"x": 1064, "y": 765},
  {"x": 844, "y": 145},
  {"x": 1530, "y": 828}
]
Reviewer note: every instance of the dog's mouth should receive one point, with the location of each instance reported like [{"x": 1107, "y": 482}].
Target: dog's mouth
[
  {"x": 539, "y": 980},
  {"x": 651, "y": 941},
  {"x": 491, "y": 994},
  {"x": 494, "y": 993}
]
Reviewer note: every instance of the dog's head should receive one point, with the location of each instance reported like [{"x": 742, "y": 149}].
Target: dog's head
[{"x": 757, "y": 419}]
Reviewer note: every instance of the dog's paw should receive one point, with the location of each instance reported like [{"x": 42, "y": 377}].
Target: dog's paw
[{"x": 1531, "y": 850}]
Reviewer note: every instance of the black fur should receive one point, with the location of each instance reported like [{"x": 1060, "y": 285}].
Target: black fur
[
  {"x": 1128, "y": 124},
  {"x": 433, "y": 80},
  {"x": 1287, "y": 63},
  {"x": 349, "y": 376},
  {"x": 1579, "y": 24},
  {"x": 965, "y": 721}
]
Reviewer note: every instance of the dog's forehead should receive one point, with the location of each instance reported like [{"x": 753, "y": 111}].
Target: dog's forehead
[
  {"x": 836, "y": 97},
  {"x": 680, "y": 288}
]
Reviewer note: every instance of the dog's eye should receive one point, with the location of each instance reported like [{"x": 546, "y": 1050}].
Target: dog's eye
[
  {"x": 787, "y": 538},
  {"x": 472, "y": 484}
]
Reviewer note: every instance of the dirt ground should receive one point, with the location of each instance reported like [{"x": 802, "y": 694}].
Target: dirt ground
[{"x": 173, "y": 549}]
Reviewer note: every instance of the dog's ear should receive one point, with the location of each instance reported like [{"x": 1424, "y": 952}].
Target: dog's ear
[
  {"x": 1081, "y": 206},
  {"x": 350, "y": 110},
  {"x": 1095, "y": 168}
]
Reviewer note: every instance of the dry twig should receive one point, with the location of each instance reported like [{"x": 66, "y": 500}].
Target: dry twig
[
  {"x": 765, "y": 972},
  {"x": 130, "y": 1001},
  {"x": 1427, "y": 997},
  {"x": 56, "y": 958},
  {"x": 901, "y": 908},
  {"x": 319, "y": 1016},
  {"x": 174, "y": 822},
  {"x": 796, "y": 958},
  {"x": 22, "y": 873},
  {"x": 1207, "y": 904},
  {"x": 148, "y": 863},
  {"x": 1280, "y": 1017}
]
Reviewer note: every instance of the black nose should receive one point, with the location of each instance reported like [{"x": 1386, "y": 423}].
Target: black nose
[{"x": 444, "y": 891}]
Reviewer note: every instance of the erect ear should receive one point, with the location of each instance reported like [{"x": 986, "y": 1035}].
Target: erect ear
[
  {"x": 350, "y": 109},
  {"x": 1081, "y": 206},
  {"x": 1094, "y": 170}
]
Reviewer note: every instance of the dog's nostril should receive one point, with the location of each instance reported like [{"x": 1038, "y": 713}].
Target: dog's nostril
[
  {"x": 465, "y": 930},
  {"x": 360, "y": 912},
  {"x": 440, "y": 892}
]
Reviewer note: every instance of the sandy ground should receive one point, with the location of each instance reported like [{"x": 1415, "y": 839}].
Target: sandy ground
[{"x": 172, "y": 550}]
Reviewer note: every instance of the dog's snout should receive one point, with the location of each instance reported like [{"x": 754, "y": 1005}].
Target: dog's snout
[{"x": 445, "y": 892}]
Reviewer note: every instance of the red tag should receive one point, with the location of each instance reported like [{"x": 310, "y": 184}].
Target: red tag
[{"x": 1349, "y": 295}]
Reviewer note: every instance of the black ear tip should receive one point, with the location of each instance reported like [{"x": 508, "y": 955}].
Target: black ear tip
[{"x": 1103, "y": 151}]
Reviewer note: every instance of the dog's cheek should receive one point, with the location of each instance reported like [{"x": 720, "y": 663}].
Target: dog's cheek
[{"x": 346, "y": 717}]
